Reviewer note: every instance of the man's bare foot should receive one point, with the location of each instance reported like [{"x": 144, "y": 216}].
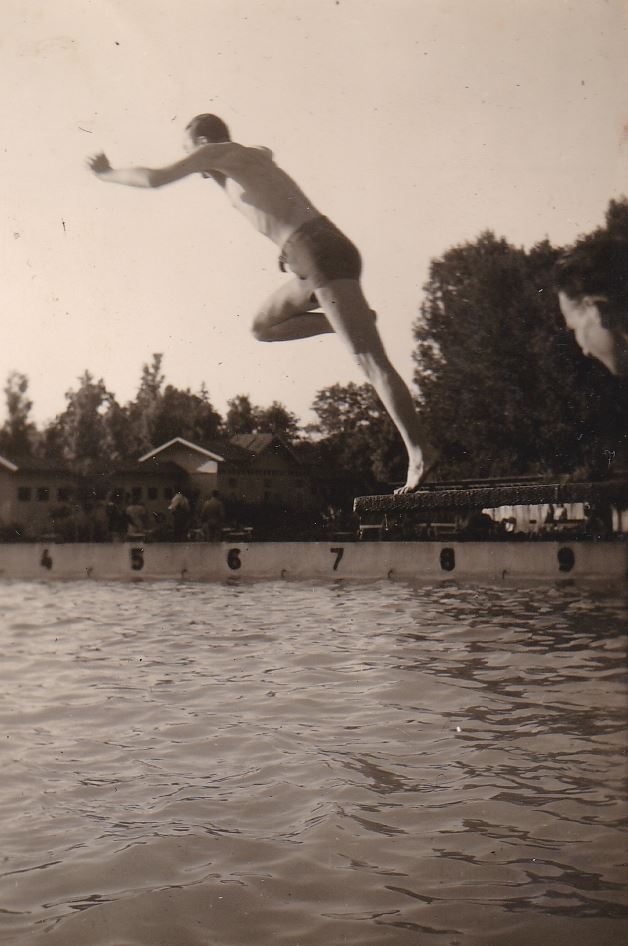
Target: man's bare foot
[{"x": 419, "y": 468}]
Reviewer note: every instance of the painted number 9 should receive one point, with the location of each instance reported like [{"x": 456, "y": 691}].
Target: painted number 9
[{"x": 46, "y": 560}]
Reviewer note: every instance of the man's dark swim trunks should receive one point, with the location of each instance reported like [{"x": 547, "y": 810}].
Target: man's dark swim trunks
[{"x": 320, "y": 252}]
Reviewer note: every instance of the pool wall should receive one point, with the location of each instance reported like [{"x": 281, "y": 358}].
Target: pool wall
[{"x": 428, "y": 561}]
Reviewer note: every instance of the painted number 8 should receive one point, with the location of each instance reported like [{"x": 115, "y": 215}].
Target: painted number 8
[{"x": 137, "y": 559}]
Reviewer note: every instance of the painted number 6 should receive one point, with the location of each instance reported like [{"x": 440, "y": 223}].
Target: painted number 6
[{"x": 233, "y": 559}]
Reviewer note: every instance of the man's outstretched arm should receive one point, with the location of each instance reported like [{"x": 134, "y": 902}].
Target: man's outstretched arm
[{"x": 211, "y": 157}]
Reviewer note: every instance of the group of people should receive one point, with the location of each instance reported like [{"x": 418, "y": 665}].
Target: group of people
[
  {"x": 325, "y": 294},
  {"x": 127, "y": 517},
  {"x": 211, "y": 517}
]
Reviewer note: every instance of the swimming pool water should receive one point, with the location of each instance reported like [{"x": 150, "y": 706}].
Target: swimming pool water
[{"x": 309, "y": 764}]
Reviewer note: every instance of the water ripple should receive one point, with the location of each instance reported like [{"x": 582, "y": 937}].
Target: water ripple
[{"x": 290, "y": 763}]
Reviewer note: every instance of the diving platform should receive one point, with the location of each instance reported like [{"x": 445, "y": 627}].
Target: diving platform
[{"x": 469, "y": 496}]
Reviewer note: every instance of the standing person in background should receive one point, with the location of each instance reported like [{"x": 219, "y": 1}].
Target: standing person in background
[
  {"x": 136, "y": 517},
  {"x": 179, "y": 508},
  {"x": 213, "y": 517}
]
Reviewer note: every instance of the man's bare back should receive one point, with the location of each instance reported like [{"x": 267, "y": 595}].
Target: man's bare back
[{"x": 260, "y": 190}]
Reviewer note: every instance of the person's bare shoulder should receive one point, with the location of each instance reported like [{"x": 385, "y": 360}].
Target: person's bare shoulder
[
  {"x": 218, "y": 157},
  {"x": 263, "y": 151}
]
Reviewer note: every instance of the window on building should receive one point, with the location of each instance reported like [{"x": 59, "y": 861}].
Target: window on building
[
  {"x": 168, "y": 492},
  {"x": 24, "y": 494},
  {"x": 152, "y": 492},
  {"x": 43, "y": 494},
  {"x": 136, "y": 494},
  {"x": 266, "y": 495},
  {"x": 64, "y": 494}
]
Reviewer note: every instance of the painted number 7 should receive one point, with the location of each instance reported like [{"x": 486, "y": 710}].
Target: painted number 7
[{"x": 338, "y": 553}]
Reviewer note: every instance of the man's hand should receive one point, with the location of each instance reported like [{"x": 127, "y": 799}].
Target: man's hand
[{"x": 99, "y": 163}]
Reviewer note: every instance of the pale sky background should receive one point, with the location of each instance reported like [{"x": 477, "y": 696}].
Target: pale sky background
[{"x": 413, "y": 124}]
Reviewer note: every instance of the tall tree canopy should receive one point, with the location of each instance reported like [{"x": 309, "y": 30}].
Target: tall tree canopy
[
  {"x": 504, "y": 387},
  {"x": 79, "y": 432},
  {"x": 357, "y": 435},
  {"x": 142, "y": 412},
  {"x": 180, "y": 413},
  {"x": 94, "y": 425},
  {"x": 240, "y": 417},
  {"x": 18, "y": 433},
  {"x": 277, "y": 419},
  {"x": 244, "y": 417}
]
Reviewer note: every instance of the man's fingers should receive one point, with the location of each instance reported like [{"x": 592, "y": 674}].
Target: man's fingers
[{"x": 98, "y": 162}]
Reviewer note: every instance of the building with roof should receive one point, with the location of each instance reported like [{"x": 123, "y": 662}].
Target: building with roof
[
  {"x": 248, "y": 471},
  {"x": 28, "y": 490}
]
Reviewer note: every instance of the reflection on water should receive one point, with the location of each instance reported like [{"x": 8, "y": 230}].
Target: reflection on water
[{"x": 311, "y": 764}]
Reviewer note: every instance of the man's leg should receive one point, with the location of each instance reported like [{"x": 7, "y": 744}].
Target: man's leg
[
  {"x": 349, "y": 315},
  {"x": 287, "y": 314}
]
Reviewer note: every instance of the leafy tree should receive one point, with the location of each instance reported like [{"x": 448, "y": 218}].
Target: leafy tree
[
  {"x": 184, "y": 414},
  {"x": 241, "y": 416},
  {"x": 617, "y": 218},
  {"x": 244, "y": 417},
  {"x": 120, "y": 437},
  {"x": 18, "y": 434},
  {"x": 159, "y": 414},
  {"x": 357, "y": 435},
  {"x": 79, "y": 433},
  {"x": 144, "y": 409},
  {"x": 504, "y": 387},
  {"x": 277, "y": 419}
]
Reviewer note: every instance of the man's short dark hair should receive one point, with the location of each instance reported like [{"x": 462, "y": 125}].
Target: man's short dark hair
[
  {"x": 208, "y": 126},
  {"x": 596, "y": 265}
]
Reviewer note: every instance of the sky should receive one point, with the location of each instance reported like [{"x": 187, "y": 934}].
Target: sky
[{"x": 414, "y": 124}]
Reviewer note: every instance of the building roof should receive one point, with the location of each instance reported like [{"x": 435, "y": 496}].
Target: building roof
[
  {"x": 34, "y": 465},
  {"x": 255, "y": 443},
  {"x": 231, "y": 451},
  {"x": 217, "y": 450},
  {"x": 179, "y": 441},
  {"x": 241, "y": 449},
  {"x": 7, "y": 464},
  {"x": 259, "y": 443}
]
